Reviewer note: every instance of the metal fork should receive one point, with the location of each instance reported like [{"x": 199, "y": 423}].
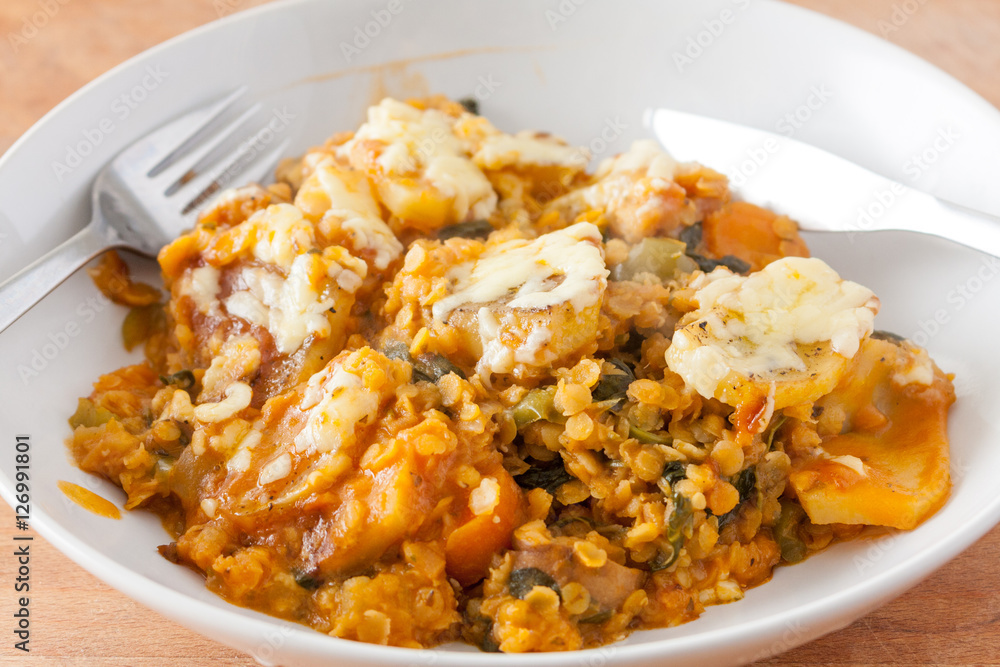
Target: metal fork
[{"x": 150, "y": 193}]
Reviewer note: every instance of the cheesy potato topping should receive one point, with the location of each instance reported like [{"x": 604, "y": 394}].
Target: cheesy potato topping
[
  {"x": 439, "y": 382},
  {"x": 775, "y": 327}
]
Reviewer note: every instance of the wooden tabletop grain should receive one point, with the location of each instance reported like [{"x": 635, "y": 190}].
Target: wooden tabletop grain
[{"x": 952, "y": 618}]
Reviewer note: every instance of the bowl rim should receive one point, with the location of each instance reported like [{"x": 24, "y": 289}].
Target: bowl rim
[{"x": 870, "y": 591}]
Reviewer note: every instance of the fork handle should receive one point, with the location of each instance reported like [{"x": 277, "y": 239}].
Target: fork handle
[{"x": 27, "y": 287}]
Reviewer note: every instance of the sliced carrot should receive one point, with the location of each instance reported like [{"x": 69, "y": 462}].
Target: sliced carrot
[
  {"x": 753, "y": 234},
  {"x": 470, "y": 547}
]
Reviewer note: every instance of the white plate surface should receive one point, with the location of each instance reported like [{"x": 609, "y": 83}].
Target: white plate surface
[{"x": 587, "y": 71}]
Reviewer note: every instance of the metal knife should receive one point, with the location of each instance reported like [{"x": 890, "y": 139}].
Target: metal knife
[{"x": 819, "y": 190}]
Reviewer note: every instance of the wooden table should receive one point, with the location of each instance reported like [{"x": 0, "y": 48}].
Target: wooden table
[{"x": 953, "y": 618}]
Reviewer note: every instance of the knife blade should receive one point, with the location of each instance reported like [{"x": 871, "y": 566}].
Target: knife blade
[{"x": 819, "y": 190}]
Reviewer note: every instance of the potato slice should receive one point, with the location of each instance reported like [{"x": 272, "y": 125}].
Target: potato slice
[
  {"x": 420, "y": 163},
  {"x": 522, "y": 306},
  {"x": 374, "y": 515},
  {"x": 889, "y": 465},
  {"x": 779, "y": 337}
]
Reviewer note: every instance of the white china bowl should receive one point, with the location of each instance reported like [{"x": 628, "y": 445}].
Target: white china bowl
[{"x": 586, "y": 71}]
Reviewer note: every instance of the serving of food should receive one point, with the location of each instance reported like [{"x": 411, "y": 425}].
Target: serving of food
[{"x": 440, "y": 382}]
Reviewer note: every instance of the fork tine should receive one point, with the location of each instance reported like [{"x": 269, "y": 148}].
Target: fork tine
[
  {"x": 243, "y": 163},
  {"x": 224, "y": 170},
  {"x": 261, "y": 168},
  {"x": 183, "y": 170},
  {"x": 178, "y": 136}
]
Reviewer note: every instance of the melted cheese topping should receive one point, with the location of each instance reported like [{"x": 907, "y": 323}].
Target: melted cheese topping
[
  {"x": 565, "y": 266},
  {"x": 289, "y": 308},
  {"x": 753, "y": 324},
  {"x": 914, "y": 367},
  {"x": 644, "y": 156},
  {"x": 627, "y": 176},
  {"x": 202, "y": 285},
  {"x": 238, "y": 359},
  {"x": 336, "y": 401},
  {"x": 528, "y": 148},
  {"x": 282, "y": 234},
  {"x": 351, "y": 206},
  {"x": 242, "y": 455},
  {"x": 852, "y": 462},
  {"x": 423, "y": 142},
  {"x": 276, "y": 469}
]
